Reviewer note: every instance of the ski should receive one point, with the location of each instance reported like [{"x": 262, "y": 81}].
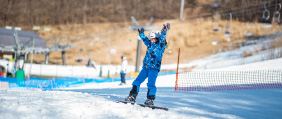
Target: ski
[{"x": 143, "y": 105}]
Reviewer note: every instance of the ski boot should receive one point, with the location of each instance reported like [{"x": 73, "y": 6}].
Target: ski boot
[
  {"x": 150, "y": 100},
  {"x": 131, "y": 98},
  {"x": 132, "y": 95}
]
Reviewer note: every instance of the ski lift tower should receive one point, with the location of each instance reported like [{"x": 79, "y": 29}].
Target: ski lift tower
[
  {"x": 60, "y": 45},
  {"x": 135, "y": 26}
]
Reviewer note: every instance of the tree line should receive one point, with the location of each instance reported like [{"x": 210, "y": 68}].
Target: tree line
[{"x": 52, "y": 12}]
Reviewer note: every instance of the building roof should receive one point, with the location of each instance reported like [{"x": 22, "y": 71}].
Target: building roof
[{"x": 8, "y": 43}]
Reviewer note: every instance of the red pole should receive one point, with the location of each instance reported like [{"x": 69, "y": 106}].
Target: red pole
[
  {"x": 176, "y": 84},
  {"x": 54, "y": 79}
]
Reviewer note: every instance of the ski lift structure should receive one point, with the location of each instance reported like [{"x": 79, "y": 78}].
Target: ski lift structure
[
  {"x": 227, "y": 26},
  {"x": 265, "y": 14},
  {"x": 217, "y": 24},
  {"x": 147, "y": 26},
  {"x": 79, "y": 58},
  {"x": 60, "y": 45},
  {"x": 276, "y": 15},
  {"x": 81, "y": 51}
]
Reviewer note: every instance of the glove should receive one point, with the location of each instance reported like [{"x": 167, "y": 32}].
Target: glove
[
  {"x": 141, "y": 30},
  {"x": 166, "y": 27}
]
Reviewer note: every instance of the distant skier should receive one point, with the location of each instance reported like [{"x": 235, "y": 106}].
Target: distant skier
[
  {"x": 151, "y": 64},
  {"x": 91, "y": 64},
  {"x": 123, "y": 70}
]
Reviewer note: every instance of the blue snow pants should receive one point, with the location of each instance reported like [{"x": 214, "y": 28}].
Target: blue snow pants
[{"x": 152, "y": 75}]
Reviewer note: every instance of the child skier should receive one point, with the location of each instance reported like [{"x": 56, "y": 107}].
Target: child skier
[{"x": 151, "y": 64}]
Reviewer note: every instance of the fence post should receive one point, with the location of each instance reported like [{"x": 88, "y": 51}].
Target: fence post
[
  {"x": 100, "y": 75},
  {"x": 176, "y": 85},
  {"x": 40, "y": 69},
  {"x": 82, "y": 71},
  {"x": 87, "y": 72},
  {"x": 26, "y": 83},
  {"x": 51, "y": 84},
  {"x": 83, "y": 80},
  {"x": 56, "y": 70},
  {"x": 109, "y": 72}
]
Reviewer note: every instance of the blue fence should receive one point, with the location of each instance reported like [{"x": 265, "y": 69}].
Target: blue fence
[{"x": 49, "y": 84}]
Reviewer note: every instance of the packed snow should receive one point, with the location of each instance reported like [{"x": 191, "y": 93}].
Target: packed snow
[{"x": 96, "y": 100}]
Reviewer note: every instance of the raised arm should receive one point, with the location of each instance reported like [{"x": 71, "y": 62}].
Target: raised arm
[
  {"x": 162, "y": 36},
  {"x": 163, "y": 33},
  {"x": 143, "y": 37}
]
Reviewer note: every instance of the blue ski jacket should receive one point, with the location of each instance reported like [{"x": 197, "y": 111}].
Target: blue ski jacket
[{"x": 154, "y": 51}]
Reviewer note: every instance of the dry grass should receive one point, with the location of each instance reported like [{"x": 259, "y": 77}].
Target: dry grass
[{"x": 193, "y": 37}]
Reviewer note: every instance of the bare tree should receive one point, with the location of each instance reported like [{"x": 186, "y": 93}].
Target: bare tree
[{"x": 43, "y": 12}]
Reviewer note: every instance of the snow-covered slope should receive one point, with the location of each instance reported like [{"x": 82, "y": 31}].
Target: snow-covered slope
[{"x": 96, "y": 101}]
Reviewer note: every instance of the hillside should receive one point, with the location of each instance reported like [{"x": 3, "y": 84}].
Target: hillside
[{"x": 194, "y": 37}]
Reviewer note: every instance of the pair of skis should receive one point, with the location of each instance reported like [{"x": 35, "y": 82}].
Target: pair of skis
[{"x": 143, "y": 105}]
